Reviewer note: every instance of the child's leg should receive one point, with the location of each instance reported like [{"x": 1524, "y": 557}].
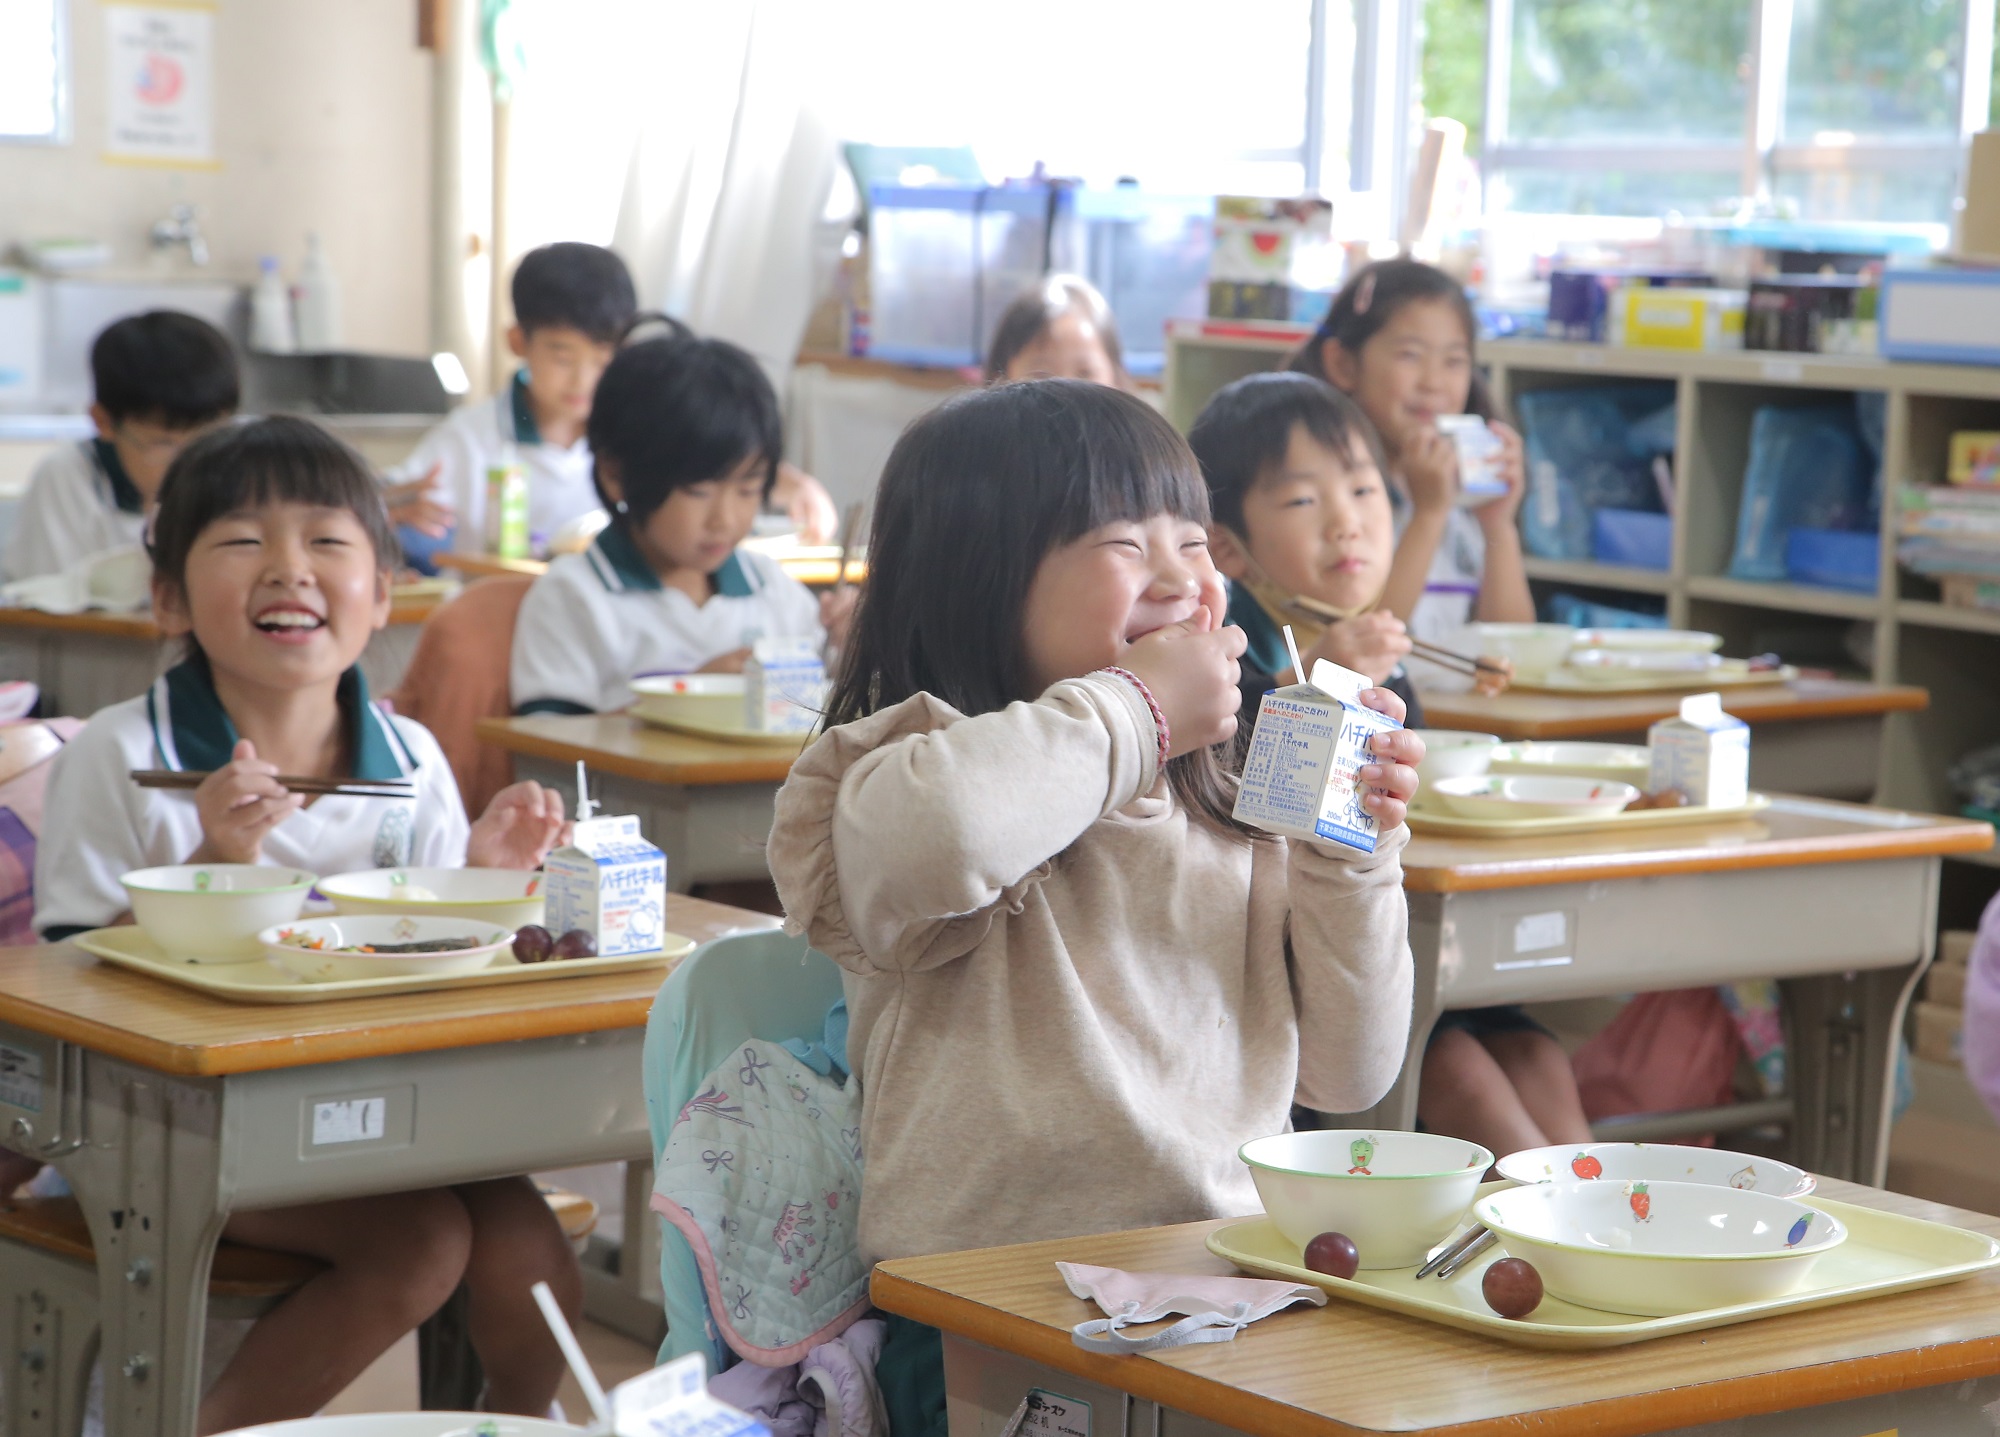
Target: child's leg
[
  {"x": 15, "y": 1169},
  {"x": 392, "y": 1261},
  {"x": 1464, "y": 1092},
  {"x": 1539, "y": 1070},
  {"x": 517, "y": 1242}
]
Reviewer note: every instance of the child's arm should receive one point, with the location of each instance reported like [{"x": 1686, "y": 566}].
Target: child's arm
[
  {"x": 1429, "y": 469},
  {"x": 90, "y": 837},
  {"x": 1503, "y": 586}
]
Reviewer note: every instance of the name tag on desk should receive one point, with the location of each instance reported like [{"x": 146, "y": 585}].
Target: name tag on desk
[
  {"x": 334, "y": 1124},
  {"x": 348, "y": 1120},
  {"x": 20, "y": 1078},
  {"x": 1540, "y": 940}
]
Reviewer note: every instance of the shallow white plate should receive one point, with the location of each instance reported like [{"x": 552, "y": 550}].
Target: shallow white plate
[
  {"x": 1529, "y": 796},
  {"x": 1657, "y": 1162},
  {"x": 1652, "y": 640},
  {"x": 312, "y": 949}
]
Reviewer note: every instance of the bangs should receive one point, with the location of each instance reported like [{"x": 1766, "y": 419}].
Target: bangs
[
  {"x": 1100, "y": 456},
  {"x": 678, "y": 411}
]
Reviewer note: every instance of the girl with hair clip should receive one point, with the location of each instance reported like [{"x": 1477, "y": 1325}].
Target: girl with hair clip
[
  {"x": 1062, "y": 328},
  {"x": 1077, "y": 985}
]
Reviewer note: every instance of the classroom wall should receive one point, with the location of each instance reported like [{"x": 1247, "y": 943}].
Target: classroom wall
[{"x": 322, "y": 122}]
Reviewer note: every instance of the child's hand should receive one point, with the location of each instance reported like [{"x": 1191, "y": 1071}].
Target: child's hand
[
  {"x": 836, "y": 614},
  {"x": 522, "y": 823},
  {"x": 1392, "y": 778},
  {"x": 729, "y": 663},
  {"x": 414, "y": 505},
  {"x": 1371, "y": 644},
  {"x": 1429, "y": 465},
  {"x": 1498, "y": 514},
  {"x": 239, "y": 803},
  {"x": 806, "y": 502},
  {"x": 1192, "y": 671}
]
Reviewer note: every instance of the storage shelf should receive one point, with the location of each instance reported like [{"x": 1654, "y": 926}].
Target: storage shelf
[
  {"x": 1948, "y": 616},
  {"x": 1600, "y": 576},
  {"x": 1797, "y": 598},
  {"x": 1741, "y": 366}
]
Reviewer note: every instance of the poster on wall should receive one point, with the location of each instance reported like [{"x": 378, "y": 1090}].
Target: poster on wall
[{"x": 160, "y": 85}]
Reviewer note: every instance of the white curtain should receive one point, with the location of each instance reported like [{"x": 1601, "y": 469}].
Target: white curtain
[{"x": 731, "y": 169}]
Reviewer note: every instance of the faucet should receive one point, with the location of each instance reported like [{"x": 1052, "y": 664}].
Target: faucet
[{"x": 181, "y": 228}]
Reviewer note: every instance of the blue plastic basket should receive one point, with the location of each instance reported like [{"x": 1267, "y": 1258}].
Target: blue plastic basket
[
  {"x": 1632, "y": 537},
  {"x": 1834, "y": 559}
]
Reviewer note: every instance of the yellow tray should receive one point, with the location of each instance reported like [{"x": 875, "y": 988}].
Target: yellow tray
[
  {"x": 256, "y": 981},
  {"x": 1733, "y": 674},
  {"x": 722, "y": 733},
  {"x": 1884, "y": 1253},
  {"x": 1451, "y": 825}
]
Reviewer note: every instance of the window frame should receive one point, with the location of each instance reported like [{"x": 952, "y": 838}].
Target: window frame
[{"x": 60, "y": 134}]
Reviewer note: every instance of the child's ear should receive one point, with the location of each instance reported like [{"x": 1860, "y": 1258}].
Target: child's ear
[
  {"x": 1340, "y": 367},
  {"x": 385, "y": 580},
  {"x": 170, "y": 608},
  {"x": 101, "y": 417},
  {"x": 517, "y": 341},
  {"x": 1232, "y": 558},
  {"x": 607, "y": 480}
]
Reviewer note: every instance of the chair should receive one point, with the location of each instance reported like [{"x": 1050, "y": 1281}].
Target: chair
[
  {"x": 750, "y": 985},
  {"x": 458, "y": 676}
]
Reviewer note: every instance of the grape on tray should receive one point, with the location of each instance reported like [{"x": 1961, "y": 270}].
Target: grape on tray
[
  {"x": 532, "y": 943},
  {"x": 577, "y": 943}
]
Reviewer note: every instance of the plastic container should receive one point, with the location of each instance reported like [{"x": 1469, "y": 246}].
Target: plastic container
[
  {"x": 1632, "y": 537},
  {"x": 1834, "y": 559},
  {"x": 1148, "y": 255},
  {"x": 317, "y": 305},
  {"x": 923, "y": 274},
  {"x": 1014, "y": 249},
  {"x": 271, "y": 329}
]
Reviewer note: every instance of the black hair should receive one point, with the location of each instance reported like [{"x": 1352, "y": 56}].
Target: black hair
[
  {"x": 1033, "y": 310},
  {"x": 974, "y": 496},
  {"x": 1245, "y": 429},
  {"x": 1368, "y": 301},
  {"x": 575, "y": 286},
  {"x": 276, "y": 460},
  {"x": 164, "y": 367},
  {"x": 676, "y": 411}
]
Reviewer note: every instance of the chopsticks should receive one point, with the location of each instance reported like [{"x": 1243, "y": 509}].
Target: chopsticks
[
  {"x": 351, "y": 788},
  {"x": 850, "y": 530},
  {"x": 1459, "y": 663}
]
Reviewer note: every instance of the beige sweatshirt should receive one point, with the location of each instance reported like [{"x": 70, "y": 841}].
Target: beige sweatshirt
[{"x": 1070, "y": 1002}]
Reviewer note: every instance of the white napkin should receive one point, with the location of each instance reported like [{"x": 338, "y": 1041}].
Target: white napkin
[{"x": 1217, "y": 1308}]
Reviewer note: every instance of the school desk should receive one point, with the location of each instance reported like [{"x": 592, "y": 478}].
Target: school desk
[
  {"x": 1821, "y": 737},
  {"x": 1912, "y": 1363},
  {"x": 1837, "y": 901},
  {"x": 86, "y": 661},
  {"x": 167, "y": 1110},
  {"x": 706, "y": 803},
  {"x": 816, "y": 568}
]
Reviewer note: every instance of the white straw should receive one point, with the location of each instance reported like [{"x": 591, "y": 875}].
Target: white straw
[
  {"x": 584, "y": 806},
  {"x": 593, "y": 1393},
  {"x": 1298, "y": 664}
]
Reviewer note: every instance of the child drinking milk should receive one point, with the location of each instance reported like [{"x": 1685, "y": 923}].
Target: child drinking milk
[
  {"x": 271, "y": 551},
  {"x": 1076, "y": 984}
]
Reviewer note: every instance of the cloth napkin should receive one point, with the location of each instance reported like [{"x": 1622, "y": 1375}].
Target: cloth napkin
[{"x": 1216, "y": 1308}]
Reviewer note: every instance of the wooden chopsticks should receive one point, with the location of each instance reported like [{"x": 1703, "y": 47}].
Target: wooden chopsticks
[
  {"x": 351, "y": 788},
  {"x": 1457, "y": 662}
]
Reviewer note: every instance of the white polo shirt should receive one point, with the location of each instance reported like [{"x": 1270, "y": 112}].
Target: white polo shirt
[
  {"x": 473, "y": 438},
  {"x": 79, "y": 502},
  {"x": 98, "y": 825},
  {"x": 597, "y": 620}
]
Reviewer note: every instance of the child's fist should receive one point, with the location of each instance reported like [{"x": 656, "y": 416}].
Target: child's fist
[
  {"x": 239, "y": 803},
  {"x": 522, "y": 823},
  {"x": 1371, "y": 644}
]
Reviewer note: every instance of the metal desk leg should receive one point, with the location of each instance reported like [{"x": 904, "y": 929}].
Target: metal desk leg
[
  {"x": 148, "y": 1176},
  {"x": 1841, "y": 1042}
]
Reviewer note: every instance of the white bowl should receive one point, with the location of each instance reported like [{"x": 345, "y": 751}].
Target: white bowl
[
  {"x": 1453, "y": 752},
  {"x": 1657, "y": 1162},
  {"x": 1660, "y": 1249},
  {"x": 1618, "y": 762},
  {"x": 213, "y": 912},
  {"x": 285, "y": 945},
  {"x": 1396, "y": 1195},
  {"x": 412, "y": 1424},
  {"x": 1533, "y": 649},
  {"x": 1611, "y": 665},
  {"x": 1649, "y": 640},
  {"x": 711, "y": 700},
  {"x": 507, "y": 897},
  {"x": 1499, "y": 795}
]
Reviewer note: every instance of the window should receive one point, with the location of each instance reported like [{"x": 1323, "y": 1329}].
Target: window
[
  {"x": 1834, "y": 109},
  {"x": 33, "y": 89}
]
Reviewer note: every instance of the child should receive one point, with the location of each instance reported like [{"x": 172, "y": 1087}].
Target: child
[
  {"x": 687, "y": 436},
  {"x": 572, "y": 302},
  {"x": 1060, "y": 329},
  {"x": 1076, "y": 984},
  {"x": 1398, "y": 341},
  {"x": 272, "y": 553},
  {"x": 159, "y": 380},
  {"x": 1300, "y": 508}
]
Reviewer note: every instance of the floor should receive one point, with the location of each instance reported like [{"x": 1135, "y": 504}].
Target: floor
[{"x": 391, "y": 1384}]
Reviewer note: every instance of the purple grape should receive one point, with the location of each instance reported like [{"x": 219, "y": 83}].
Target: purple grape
[
  {"x": 532, "y": 943},
  {"x": 577, "y": 943},
  {"x": 1512, "y": 1287},
  {"x": 1334, "y": 1254}
]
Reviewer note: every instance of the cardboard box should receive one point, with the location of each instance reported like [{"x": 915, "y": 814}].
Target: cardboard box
[
  {"x": 611, "y": 883},
  {"x": 1945, "y": 985},
  {"x": 1955, "y": 946},
  {"x": 784, "y": 686},
  {"x": 1979, "y": 220},
  {"x": 1704, "y": 752},
  {"x": 1300, "y": 775},
  {"x": 1642, "y": 317},
  {"x": 1938, "y": 1032},
  {"x": 1975, "y": 457}
]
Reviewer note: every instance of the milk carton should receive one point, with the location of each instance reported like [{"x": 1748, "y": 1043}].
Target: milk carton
[
  {"x": 611, "y": 883},
  {"x": 1705, "y": 753},
  {"x": 1479, "y": 454},
  {"x": 1299, "y": 777},
  {"x": 784, "y": 686},
  {"x": 673, "y": 1401}
]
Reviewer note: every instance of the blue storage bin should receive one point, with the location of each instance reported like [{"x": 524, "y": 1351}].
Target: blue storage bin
[
  {"x": 1834, "y": 559},
  {"x": 1632, "y": 536}
]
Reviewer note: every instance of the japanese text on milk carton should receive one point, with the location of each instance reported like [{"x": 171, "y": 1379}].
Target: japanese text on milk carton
[
  {"x": 1703, "y": 752},
  {"x": 611, "y": 883},
  {"x": 784, "y": 686},
  {"x": 673, "y": 1401},
  {"x": 1301, "y": 775}
]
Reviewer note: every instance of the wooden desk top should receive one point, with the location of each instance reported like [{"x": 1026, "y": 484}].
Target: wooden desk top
[
  {"x": 60, "y": 990},
  {"x": 1346, "y": 1369},
  {"x": 1518, "y": 715},
  {"x": 140, "y": 627},
  {"x": 618, "y": 743},
  {"x": 1791, "y": 832}
]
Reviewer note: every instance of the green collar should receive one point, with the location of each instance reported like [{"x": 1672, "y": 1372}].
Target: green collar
[
  {"x": 192, "y": 731},
  {"x": 1266, "y": 650},
  {"x": 526, "y": 431},
  {"x": 622, "y": 569},
  {"x": 124, "y": 493}
]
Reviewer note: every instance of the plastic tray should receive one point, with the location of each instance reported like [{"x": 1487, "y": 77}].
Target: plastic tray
[
  {"x": 1733, "y": 674},
  {"x": 1450, "y": 825},
  {"x": 256, "y": 981},
  {"x": 1884, "y": 1253},
  {"x": 723, "y": 733}
]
